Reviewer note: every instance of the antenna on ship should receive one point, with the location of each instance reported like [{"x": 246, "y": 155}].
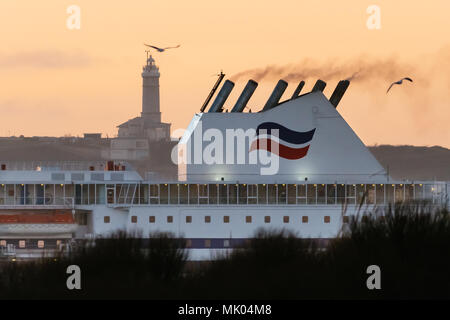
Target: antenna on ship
[{"x": 213, "y": 90}]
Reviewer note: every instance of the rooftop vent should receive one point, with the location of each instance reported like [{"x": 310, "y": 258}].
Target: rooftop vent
[
  {"x": 222, "y": 96},
  {"x": 245, "y": 96},
  {"x": 276, "y": 95}
]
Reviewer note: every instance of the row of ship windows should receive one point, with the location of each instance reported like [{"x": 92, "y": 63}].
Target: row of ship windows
[
  {"x": 41, "y": 243},
  {"x": 226, "y": 219},
  {"x": 23, "y": 244},
  {"x": 215, "y": 194}
]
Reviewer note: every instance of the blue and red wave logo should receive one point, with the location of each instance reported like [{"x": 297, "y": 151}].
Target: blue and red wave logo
[{"x": 287, "y": 143}]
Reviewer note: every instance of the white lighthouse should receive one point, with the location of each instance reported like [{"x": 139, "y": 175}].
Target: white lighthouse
[
  {"x": 136, "y": 136},
  {"x": 150, "y": 91}
]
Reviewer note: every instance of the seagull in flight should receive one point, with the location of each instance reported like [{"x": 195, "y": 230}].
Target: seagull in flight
[
  {"x": 398, "y": 82},
  {"x": 161, "y": 49}
]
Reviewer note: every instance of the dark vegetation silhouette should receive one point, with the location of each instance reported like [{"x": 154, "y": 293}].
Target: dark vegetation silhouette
[{"x": 410, "y": 243}]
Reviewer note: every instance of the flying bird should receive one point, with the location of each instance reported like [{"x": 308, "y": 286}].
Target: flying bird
[
  {"x": 398, "y": 82},
  {"x": 161, "y": 49}
]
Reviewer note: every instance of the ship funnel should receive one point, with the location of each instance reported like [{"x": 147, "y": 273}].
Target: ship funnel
[
  {"x": 245, "y": 96},
  {"x": 222, "y": 97},
  {"x": 319, "y": 86},
  {"x": 298, "y": 90},
  {"x": 276, "y": 95},
  {"x": 339, "y": 92}
]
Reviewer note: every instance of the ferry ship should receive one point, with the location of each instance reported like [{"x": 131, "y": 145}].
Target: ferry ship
[{"x": 295, "y": 165}]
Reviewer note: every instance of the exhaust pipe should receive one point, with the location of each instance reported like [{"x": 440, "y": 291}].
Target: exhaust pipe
[
  {"x": 319, "y": 86},
  {"x": 245, "y": 96},
  {"x": 222, "y": 96},
  {"x": 276, "y": 95},
  {"x": 298, "y": 90},
  {"x": 339, "y": 92}
]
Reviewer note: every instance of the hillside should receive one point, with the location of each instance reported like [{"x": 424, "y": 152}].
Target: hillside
[{"x": 414, "y": 163}]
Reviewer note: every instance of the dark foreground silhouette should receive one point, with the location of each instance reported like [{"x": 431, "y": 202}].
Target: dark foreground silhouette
[{"x": 410, "y": 244}]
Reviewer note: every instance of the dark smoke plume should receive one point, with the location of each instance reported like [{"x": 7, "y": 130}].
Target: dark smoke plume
[{"x": 357, "y": 70}]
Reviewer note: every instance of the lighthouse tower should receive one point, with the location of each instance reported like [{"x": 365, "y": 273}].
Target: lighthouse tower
[
  {"x": 150, "y": 91},
  {"x": 139, "y": 138}
]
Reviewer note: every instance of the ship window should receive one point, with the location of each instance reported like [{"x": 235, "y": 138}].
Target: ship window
[
  {"x": 207, "y": 243},
  {"x": 311, "y": 190},
  {"x": 292, "y": 194},
  {"x": 169, "y": 219},
  {"x": 133, "y": 219},
  {"x": 106, "y": 219},
  {"x": 173, "y": 193},
  {"x": 248, "y": 219},
  {"x": 232, "y": 193},
  {"x": 22, "y": 244},
  {"x": 252, "y": 193},
  {"x": 226, "y": 243},
  {"x": 321, "y": 193},
  {"x": 418, "y": 191},
  {"x": 164, "y": 194},
  {"x": 188, "y": 219},
  {"x": 184, "y": 189},
  {"x": 41, "y": 244},
  {"x": 351, "y": 194},
  {"x": 203, "y": 194},
  {"x": 340, "y": 193},
  {"x": 212, "y": 196},
  {"x": 99, "y": 192},
  {"x": 361, "y": 196},
  {"x": 286, "y": 219},
  {"x": 370, "y": 193},
  {"x": 272, "y": 193},
  {"x": 326, "y": 219},
  {"x": 331, "y": 194},
  {"x": 399, "y": 192},
  {"x": 281, "y": 193},
  {"x": 389, "y": 193},
  {"x": 345, "y": 219},
  {"x": 409, "y": 192},
  {"x": 226, "y": 219},
  {"x": 301, "y": 194},
  {"x": 267, "y": 219},
  {"x": 188, "y": 243},
  {"x": 242, "y": 194},
  {"x": 91, "y": 194},
  {"x": 207, "y": 219},
  {"x": 151, "y": 219},
  {"x": 305, "y": 219},
  {"x": 193, "y": 194},
  {"x": 223, "y": 190},
  {"x": 380, "y": 193},
  {"x": 143, "y": 194},
  {"x": 262, "y": 194}
]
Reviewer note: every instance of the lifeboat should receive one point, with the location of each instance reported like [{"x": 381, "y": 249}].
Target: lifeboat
[{"x": 37, "y": 224}]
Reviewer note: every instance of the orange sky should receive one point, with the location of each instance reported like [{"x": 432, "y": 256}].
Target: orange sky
[{"x": 56, "y": 81}]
